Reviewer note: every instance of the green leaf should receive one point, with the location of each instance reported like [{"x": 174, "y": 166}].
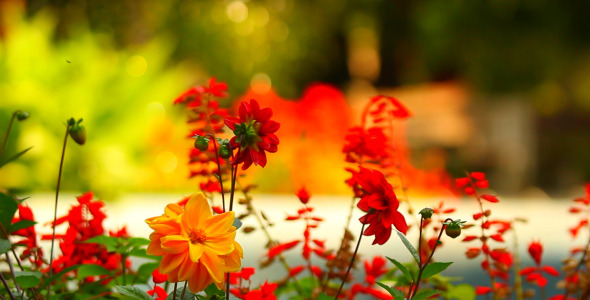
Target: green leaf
[
  {"x": 14, "y": 157},
  {"x": 133, "y": 292},
  {"x": 138, "y": 252},
  {"x": 323, "y": 296},
  {"x": 5, "y": 246},
  {"x": 404, "y": 270},
  {"x": 237, "y": 223},
  {"x": 8, "y": 207},
  {"x": 91, "y": 270},
  {"x": 53, "y": 278},
  {"x": 425, "y": 294},
  {"x": 28, "y": 279},
  {"x": 187, "y": 294},
  {"x": 138, "y": 241},
  {"x": 110, "y": 242},
  {"x": 144, "y": 272},
  {"x": 434, "y": 268},
  {"x": 461, "y": 292},
  {"x": 213, "y": 290},
  {"x": 397, "y": 294},
  {"x": 409, "y": 247},
  {"x": 21, "y": 225}
]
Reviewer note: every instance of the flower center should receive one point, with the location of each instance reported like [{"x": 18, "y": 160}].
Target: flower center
[
  {"x": 248, "y": 134},
  {"x": 197, "y": 236}
]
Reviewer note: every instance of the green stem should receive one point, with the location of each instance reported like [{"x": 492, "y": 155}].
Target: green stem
[
  {"x": 61, "y": 164},
  {"x": 7, "y": 133},
  {"x": 218, "y": 170},
  {"x": 356, "y": 249},
  {"x": 423, "y": 266},
  {"x": 233, "y": 180}
]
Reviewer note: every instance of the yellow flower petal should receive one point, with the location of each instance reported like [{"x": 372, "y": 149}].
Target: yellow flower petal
[
  {"x": 196, "y": 211},
  {"x": 214, "y": 265},
  {"x": 219, "y": 224},
  {"x": 171, "y": 262},
  {"x": 196, "y": 251},
  {"x": 200, "y": 280}
]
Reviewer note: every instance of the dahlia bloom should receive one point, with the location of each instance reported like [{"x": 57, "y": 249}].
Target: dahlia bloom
[
  {"x": 254, "y": 134},
  {"x": 380, "y": 203},
  {"x": 196, "y": 246}
]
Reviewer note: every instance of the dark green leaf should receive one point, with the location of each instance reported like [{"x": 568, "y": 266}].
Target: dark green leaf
[
  {"x": 8, "y": 207},
  {"x": 91, "y": 270},
  {"x": 187, "y": 294},
  {"x": 144, "y": 272},
  {"x": 409, "y": 246},
  {"x": 213, "y": 290},
  {"x": 53, "y": 278},
  {"x": 5, "y": 246},
  {"x": 404, "y": 270},
  {"x": 14, "y": 157},
  {"x": 133, "y": 292},
  {"x": 434, "y": 268},
  {"x": 397, "y": 294},
  {"x": 323, "y": 296},
  {"x": 21, "y": 225},
  {"x": 425, "y": 294},
  {"x": 28, "y": 279},
  {"x": 110, "y": 242}
]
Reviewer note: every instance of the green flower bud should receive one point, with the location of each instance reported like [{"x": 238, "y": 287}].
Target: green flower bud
[
  {"x": 202, "y": 143},
  {"x": 224, "y": 152},
  {"x": 77, "y": 131},
  {"x": 21, "y": 115},
  {"x": 453, "y": 228},
  {"x": 426, "y": 213}
]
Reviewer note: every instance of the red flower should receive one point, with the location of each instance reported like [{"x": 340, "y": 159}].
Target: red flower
[
  {"x": 536, "y": 250},
  {"x": 160, "y": 292},
  {"x": 361, "y": 142},
  {"x": 159, "y": 277},
  {"x": 266, "y": 292},
  {"x": 254, "y": 134},
  {"x": 375, "y": 270},
  {"x": 380, "y": 204},
  {"x": 303, "y": 195}
]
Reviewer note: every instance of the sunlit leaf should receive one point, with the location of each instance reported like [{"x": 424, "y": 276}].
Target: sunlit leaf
[
  {"x": 133, "y": 292},
  {"x": 15, "y": 157},
  {"x": 402, "y": 268},
  {"x": 397, "y": 294},
  {"x": 92, "y": 270},
  {"x": 110, "y": 242},
  {"x": 425, "y": 294},
  {"x": 28, "y": 279},
  {"x": 434, "y": 268},
  {"x": 409, "y": 246}
]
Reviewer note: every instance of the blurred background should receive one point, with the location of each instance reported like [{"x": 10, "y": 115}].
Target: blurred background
[{"x": 497, "y": 86}]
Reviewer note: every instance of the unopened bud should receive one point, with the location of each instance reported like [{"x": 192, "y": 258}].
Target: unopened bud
[
  {"x": 77, "y": 131},
  {"x": 453, "y": 228},
  {"x": 202, "y": 143},
  {"x": 21, "y": 115},
  {"x": 426, "y": 213},
  {"x": 224, "y": 152}
]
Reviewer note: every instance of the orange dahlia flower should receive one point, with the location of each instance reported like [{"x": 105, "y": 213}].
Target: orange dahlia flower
[{"x": 195, "y": 245}]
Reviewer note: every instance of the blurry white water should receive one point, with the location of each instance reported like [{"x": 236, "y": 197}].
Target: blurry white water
[{"x": 547, "y": 221}]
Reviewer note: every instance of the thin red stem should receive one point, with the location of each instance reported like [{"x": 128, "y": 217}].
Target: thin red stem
[{"x": 351, "y": 261}]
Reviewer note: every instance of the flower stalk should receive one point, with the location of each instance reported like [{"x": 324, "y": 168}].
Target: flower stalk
[{"x": 356, "y": 249}]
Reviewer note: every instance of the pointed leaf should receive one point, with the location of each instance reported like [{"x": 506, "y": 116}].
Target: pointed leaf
[
  {"x": 108, "y": 241},
  {"x": 434, "y": 268},
  {"x": 425, "y": 294},
  {"x": 91, "y": 270},
  {"x": 187, "y": 295},
  {"x": 8, "y": 207},
  {"x": 397, "y": 294},
  {"x": 133, "y": 292},
  {"x": 409, "y": 246},
  {"x": 404, "y": 270},
  {"x": 53, "y": 278},
  {"x": 213, "y": 290},
  {"x": 323, "y": 296},
  {"x": 5, "y": 246},
  {"x": 28, "y": 279},
  {"x": 14, "y": 157},
  {"x": 21, "y": 225}
]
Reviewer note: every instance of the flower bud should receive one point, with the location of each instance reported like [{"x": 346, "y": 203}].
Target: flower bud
[
  {"x": 426, "y": 213},
  {"x": 21, "y": 115},
  {"x": 453, "y": 228},
  {"x": 202, "y": 143},
  {"x": 77, "y": 131},
  {"x": 224, "y": 151}
]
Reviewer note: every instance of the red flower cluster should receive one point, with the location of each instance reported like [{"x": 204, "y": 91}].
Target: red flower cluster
[
  {"x": 84, "y": 221},
  {"x": 365, "y": 144},
  {"x": 372, "y": 271},
  {"x": 581, "y": 205},
  {"x": 535, "y": 274},
  {"x": 32, "y": 250},
  {"x": 206, "y": 117},
  {"x": 254, "y": 134},
  {"x": 266, "y": 291},
  {"x": 380, "y": 203}
]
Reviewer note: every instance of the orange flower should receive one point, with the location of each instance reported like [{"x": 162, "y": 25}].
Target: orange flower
[{"x": 196, "y": 246}]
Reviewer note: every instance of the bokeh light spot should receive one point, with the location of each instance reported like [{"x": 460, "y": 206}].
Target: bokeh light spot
[
  {"x": 237, "y": 11},
  {"x": 136, "y": 65},
  {"x": 260, "y": 16},
  {"x": 166, "y": 162},
  {"x": 155, "y": 110},
  {"x": 261, "y": 83}
]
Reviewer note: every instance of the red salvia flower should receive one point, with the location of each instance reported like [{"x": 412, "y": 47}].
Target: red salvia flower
[
  {"x": 303, "y": 195},
  {"x": 381, "y": 205},
  {"x": 536, "y": 251},
  {"x": 160, "y": 292},
  {"x": 254, "y": 134},
  {"x": 159, "y": 277}
]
